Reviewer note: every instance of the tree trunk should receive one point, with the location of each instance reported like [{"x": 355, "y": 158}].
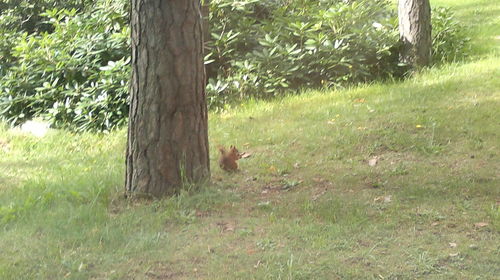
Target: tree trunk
[
  {"x": 205, "y": 12},
  {"x": 167, "y": 136},
  {"x": 415, "y": 32}
]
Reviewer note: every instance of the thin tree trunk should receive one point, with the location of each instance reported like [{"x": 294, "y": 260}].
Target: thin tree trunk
[
  {"x": 167, "y": 137},
  {"x": 415, "y": 32}
]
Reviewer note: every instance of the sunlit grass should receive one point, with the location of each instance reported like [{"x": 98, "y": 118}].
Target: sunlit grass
[{"x": 482, "y": 21}]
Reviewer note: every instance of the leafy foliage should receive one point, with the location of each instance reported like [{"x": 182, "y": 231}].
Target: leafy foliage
[
  {"x": 261, "y": 48},
  {"x": 68, "y": 61},
  {"x": 25, "y": 15},
  {"x": 75, "y": 75},
  {"x": 449, "y": 37}
]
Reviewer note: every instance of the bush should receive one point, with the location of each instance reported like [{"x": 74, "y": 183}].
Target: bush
[
  {"x": 19, "y": 16},
  {"x": 75, "y": 75},
  {"x": 449, "y": 37},
  {"x": 262, "y": 48},
  {"x": 68, "y": 62},
  {"x": 25, "y": 15}
]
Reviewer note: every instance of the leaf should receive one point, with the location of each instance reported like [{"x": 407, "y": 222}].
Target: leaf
[
  {"x": 332, "y": 121},
  {"x": 251, "y": 251},
  {"x": 318, "y": 180},
  {"x": 338, "y": 43},
  {"x": 264, "y": 203},
  {"x": 373, "y": 161},
  {"x": 385, "y": 199},
  {"x": 480, "y": 225},
  {"x": 225, "y": 226},
  {"x": 287, "y": 184},
  {"x": 319, "y": 194},
  {"x": 473, "y": 246},
  {"x": 201, "y": 214},
  {"x": 245, "y": 155},
  {"x": 310, "y": 42},
  {"x": 229, "y": 227}
]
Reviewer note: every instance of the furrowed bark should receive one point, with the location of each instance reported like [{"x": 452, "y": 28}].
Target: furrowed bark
[
  {"x": 415, "y": 32},
  {"x": 167, "y": 137}
]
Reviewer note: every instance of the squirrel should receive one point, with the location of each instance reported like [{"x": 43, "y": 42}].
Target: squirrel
[{"x": 227, "y": 159}]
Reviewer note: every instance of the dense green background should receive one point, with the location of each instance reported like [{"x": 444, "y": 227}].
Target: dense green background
[{"x": 68, "y": 61}]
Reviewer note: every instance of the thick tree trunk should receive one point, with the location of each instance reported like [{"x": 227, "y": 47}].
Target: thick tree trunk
[
  {"x": 415, "y": 32},
  {"x": 205, "y": 12},
  {"x": 167, "y": 136}
]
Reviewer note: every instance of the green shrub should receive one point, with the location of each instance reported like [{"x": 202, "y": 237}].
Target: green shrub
[
  {"x": 19, "y": 16},
  {"x": 449, "y": 37},
  {"x": 76, "y": 75},
  {"x": 262, "y": 48},
  {"x": 68, "y": 61},
  {"x": 25, "y": 15}
]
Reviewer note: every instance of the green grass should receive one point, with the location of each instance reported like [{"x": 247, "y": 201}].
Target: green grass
[
  {"x": 482, "y": 19},
  {"x": 306, "y": 204}
]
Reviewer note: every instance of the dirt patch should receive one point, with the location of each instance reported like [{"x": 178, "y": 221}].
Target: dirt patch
[{"x": 165, "y": 270}]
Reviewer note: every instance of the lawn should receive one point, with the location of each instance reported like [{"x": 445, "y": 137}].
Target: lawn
[{"x": 395, "y": 180}]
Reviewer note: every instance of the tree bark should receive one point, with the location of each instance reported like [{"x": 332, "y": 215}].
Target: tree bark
[
  {"x": 205, "y": 12},
  {"x": 415, "y": 32},
  {"x": 167, "y": 136}
]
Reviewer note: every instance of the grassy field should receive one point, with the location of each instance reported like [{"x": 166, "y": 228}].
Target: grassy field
[{"x": 384, "y": 181}]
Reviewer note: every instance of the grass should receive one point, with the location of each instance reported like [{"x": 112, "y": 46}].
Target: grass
[
  {"x": 482, "y": 18},
  {"x": 306, "y": 204}
]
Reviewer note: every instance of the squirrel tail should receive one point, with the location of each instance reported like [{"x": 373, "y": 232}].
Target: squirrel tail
[{"x": 222, "y": 150}]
